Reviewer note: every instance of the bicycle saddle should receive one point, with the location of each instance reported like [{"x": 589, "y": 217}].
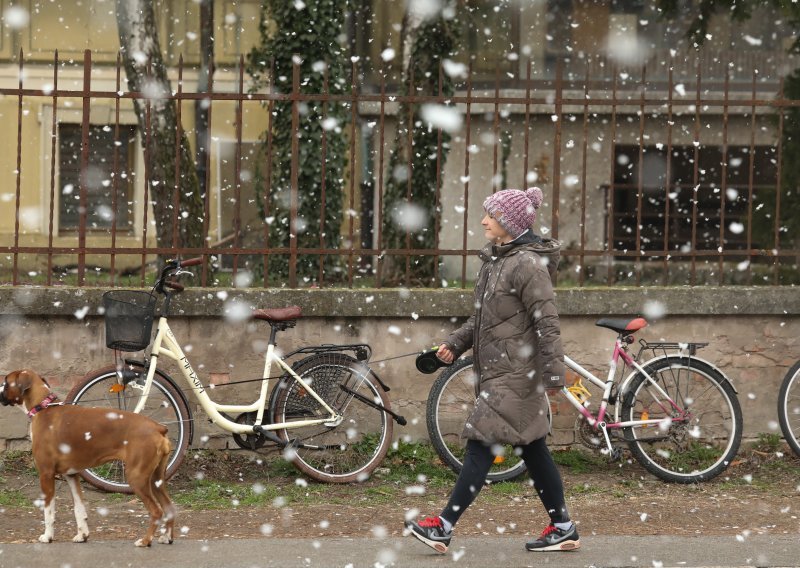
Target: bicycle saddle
[
  {"x": 279, "y": 314},
  {"x": 626, "y": 326}
]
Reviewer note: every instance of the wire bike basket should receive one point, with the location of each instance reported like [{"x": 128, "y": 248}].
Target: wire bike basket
[{"x": 129, "y": 319}]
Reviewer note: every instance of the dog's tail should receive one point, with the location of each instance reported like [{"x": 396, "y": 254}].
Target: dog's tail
[{"x": 164, "y": 450}]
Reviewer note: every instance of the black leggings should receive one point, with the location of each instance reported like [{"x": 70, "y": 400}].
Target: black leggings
[{"x": 477, "y": 462}]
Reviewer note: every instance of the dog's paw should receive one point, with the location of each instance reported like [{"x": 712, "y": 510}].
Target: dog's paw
[
  {"x": 164, "y": 539},
  {"x": 45, "y": 538},
  {"x": 142, "y": 543},
  {"x": 80, "y": 537}
]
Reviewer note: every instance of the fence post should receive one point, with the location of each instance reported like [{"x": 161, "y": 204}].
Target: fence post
[
  {"x": 84, "y": 199},
  {"x": 293, "y": 197},
  {"x": 18, "y": 192}
]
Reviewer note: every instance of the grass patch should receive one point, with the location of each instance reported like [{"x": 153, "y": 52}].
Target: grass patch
[
  {"x": 579, "y": 461},
  {"x": 768, "y": 442},
  {"x": 782, "y": 466},
  {"x": 380, "y": 494},
  {"x": 584, "y": 489},
  {"x": 283, "y": 468},
  {"x": 409, "y": 463},
  {"x": 208, "y": 494},
  {"x": 19, "y": 462},
  {"x": 696, "y": 457},
  {"x": 513, "y": 487},
  {"x": 14, "y": 498},
  {"x": 753, "y": 481}
]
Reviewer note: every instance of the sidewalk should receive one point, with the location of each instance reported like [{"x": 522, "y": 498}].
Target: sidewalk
[{"x": 467, "y": 552}]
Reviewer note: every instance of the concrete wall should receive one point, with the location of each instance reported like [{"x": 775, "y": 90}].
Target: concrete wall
[{"x": 754, "y": 335}]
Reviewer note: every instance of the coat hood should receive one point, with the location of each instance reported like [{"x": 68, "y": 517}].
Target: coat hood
[{"x": 545, "y": 247}]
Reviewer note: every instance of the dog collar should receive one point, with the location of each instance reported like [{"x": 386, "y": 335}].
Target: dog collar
[{"x": 47, "y": 401}]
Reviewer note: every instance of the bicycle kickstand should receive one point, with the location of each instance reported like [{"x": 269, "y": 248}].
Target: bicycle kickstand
[
  {"x": 614, "y": 453},
  {"x": 397, "y": 418}
]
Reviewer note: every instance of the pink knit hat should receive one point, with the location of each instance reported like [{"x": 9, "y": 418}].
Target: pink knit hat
[{"x": 514, "y": 209}]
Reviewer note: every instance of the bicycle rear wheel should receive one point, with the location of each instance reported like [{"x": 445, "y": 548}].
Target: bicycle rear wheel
[
  {"x": 789, "y": 408},
  {"x": 334, "y": 453},
  {"x": 700, "y": 425},
  {"x": 450, "y": 402},
  {"x": 102, "y": 388}
]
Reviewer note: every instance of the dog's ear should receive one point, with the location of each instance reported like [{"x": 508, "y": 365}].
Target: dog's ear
[
  {"x": 12, "y": 379},
  {"x": 25, "y": 380}
]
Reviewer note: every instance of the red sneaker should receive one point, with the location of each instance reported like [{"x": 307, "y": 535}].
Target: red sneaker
[{"x": 431, "y": 531}]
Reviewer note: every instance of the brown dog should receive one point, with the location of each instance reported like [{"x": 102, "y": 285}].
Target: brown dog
[{"x": 67, "y": 439}]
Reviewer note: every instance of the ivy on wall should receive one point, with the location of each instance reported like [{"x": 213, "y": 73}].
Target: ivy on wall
[
  {"x": 433, "y": 41},
  {"x": 308, "y": 34}
]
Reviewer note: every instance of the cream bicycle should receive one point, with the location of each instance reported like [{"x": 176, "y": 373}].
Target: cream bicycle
[{"x": 328, "y": 410}]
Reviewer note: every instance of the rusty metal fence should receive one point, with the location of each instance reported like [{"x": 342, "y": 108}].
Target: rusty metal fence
[{"x": 651, "y": 177}]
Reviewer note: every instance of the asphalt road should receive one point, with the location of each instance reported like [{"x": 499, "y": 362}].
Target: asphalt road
[{"x": 466, "y": 552}]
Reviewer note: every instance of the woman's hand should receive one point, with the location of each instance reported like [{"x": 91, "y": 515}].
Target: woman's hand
[{"x": 445, "y": 354}]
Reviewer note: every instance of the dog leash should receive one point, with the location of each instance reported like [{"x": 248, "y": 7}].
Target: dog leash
[
  {"x": 245, "y": 381},
  {"x": 397, "y": 357}
]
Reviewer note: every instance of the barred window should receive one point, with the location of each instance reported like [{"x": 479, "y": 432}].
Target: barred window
[
  {"x": 106, "y": 148},
  {"x": 690, "y": 181}
]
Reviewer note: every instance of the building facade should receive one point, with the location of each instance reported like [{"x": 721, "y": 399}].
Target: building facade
[{"x": 646, "y": 147}]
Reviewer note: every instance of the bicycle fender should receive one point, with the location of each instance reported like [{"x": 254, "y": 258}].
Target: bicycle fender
[
  {"x": 624, "y": 387},
  {"x": 171, "y": 381},
  {"x": 287, "y": 379}
]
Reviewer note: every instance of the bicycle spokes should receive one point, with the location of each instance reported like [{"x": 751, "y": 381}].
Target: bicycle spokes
[
  {"x": 349, "y": 447},
  {"x": 689, "y": 420}
]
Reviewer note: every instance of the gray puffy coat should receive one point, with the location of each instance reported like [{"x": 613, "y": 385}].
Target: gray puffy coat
[{"x": 516, "y": 341}]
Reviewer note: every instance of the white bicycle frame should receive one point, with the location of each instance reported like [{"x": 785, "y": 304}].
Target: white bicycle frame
[
  {"x": 166, "y": 344},
  {"x": 659, "y": 395}
]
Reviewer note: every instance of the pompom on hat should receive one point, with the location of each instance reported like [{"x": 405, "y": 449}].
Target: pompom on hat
[{"x": 514, "y": 209}]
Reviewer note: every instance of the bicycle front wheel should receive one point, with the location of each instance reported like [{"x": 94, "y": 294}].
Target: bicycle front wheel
[
  {"x": 103, "y": 388},
  {"x": 699, "y": 425},
  {"x": 349, "y": 449},
  {"x": 450, "y": 402},
  {"x": 789, "y": 408}
]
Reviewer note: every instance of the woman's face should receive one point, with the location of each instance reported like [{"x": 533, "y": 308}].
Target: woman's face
[{"x": 493, "y": 231}]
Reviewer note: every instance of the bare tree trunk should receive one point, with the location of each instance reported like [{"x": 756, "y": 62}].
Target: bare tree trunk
[
  {"x": 178, "y": 208},
  {"x": 206, "y": 72}
]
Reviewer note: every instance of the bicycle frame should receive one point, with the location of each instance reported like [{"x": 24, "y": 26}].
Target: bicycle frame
[
  {"x": 166, "y": 344},
  {"x": 599, "y": 420}
]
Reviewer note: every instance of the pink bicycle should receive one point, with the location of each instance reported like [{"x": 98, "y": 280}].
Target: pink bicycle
[{"x": 678, "y": 414}]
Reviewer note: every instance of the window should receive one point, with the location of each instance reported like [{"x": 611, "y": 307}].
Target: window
[
  {"x": 681, "y": 194},
  {"x": 104, "y": 151},
  {"x": 576, "y": 28},
  {"x": 491, "y": 30}
]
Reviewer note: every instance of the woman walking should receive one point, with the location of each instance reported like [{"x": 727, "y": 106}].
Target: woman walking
[{"x": 516, "y": 342}]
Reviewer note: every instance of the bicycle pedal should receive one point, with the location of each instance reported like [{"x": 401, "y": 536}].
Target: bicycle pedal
[{"x": 615, "y": 454}]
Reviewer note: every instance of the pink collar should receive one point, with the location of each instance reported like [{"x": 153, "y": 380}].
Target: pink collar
[{"x": 42, "y": 405}]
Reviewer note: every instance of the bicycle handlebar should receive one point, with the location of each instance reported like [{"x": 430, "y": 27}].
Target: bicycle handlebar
[
  {"x": 172, "y": 269},
  {"x": 192, "y": 262}
]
